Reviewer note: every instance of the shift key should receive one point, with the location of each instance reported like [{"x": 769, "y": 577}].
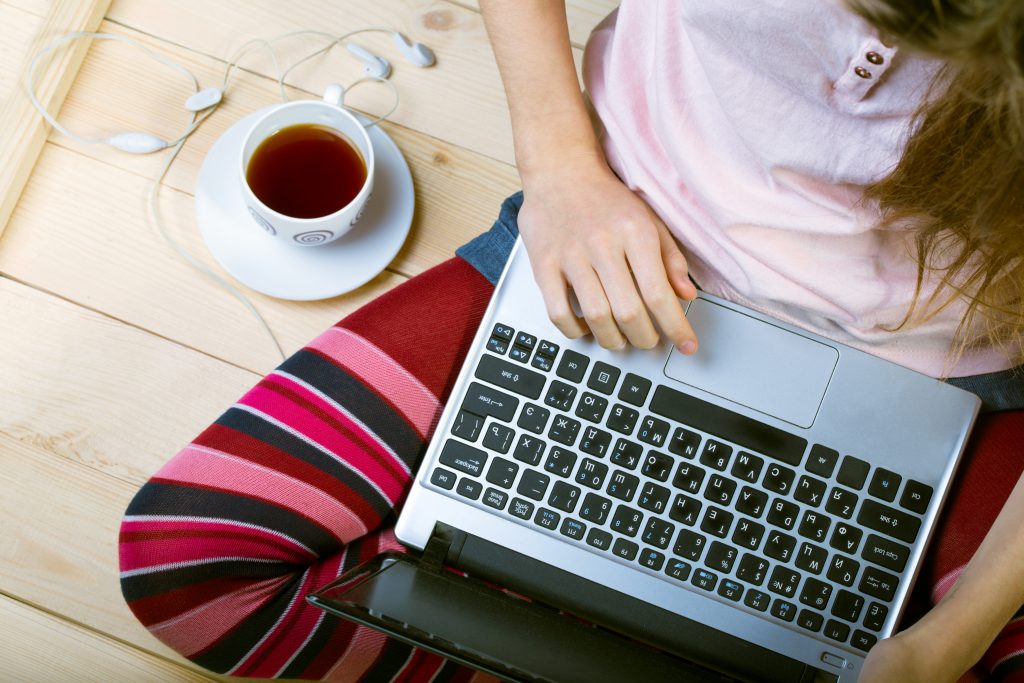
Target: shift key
[
  {"x": 514, "y": 378},
  {"x": 889, "y": 521},
  {"x": 463, "y": 458}
]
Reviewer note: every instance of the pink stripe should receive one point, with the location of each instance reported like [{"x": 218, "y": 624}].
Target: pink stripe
[
  {"x": 363, "y": 650},
  {"x": 377, "y": 369},
  {"x": 167, "y": 550},
  {"x": 349, "y": 449},
  {"x": 943, "y": 585},
  {"x": 204, "y": 465}
]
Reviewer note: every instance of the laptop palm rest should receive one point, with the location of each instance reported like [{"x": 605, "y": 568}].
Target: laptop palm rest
[{"x": 755, "y": 364}]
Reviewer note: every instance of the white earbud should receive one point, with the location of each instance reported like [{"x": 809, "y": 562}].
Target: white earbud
[
  {"x": 417, "y": 53},
  {"x": 204, "y": 99},
  {"x": 373, "y": 66}
]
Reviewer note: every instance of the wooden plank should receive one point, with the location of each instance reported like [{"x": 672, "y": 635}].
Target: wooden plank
[
  {"x": 17, "y": 28},
  {"x": 36, "y": 7},
  {"x": 24, "y": 129},
  {"x": 33, "y": 642}
]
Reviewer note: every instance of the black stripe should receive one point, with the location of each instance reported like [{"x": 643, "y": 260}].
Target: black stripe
[
  {"x": 448, "y": 672},
  {"x": 389, "y": 663},
  {"x": 314, "y": 647},
  {"x": 156, "y": 583},
  {"x": 1007, "y": 668}
]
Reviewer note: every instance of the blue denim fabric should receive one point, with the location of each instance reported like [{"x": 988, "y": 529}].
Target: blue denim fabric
[{"x": 489, "y": 252}]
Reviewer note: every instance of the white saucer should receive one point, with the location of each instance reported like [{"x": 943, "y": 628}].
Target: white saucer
[{"x": 276, "y": 268}]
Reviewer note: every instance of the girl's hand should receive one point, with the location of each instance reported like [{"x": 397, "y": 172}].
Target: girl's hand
[
  {"x": 901, "y": 659},
  {"x": 587, "y": 231}
]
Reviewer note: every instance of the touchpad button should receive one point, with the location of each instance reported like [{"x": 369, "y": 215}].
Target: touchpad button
[{"x": 755, "y": 364}]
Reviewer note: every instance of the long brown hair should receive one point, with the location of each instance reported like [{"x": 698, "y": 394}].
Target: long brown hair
[{"x": 960, "y": 181}]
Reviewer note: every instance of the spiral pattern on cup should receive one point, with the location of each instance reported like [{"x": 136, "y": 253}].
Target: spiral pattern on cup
[
  {"x": 314, "y": 236},
  {"x": 263, "y": 222}
]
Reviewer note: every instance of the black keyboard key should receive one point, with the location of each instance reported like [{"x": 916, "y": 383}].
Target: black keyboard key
[
  {"x": 837, "y": 631},
  {"x": 564, "y": 430},
  {"x": 527, "y": 341},
  {"x": 719, "y": 489},
  {"x": 627, "y": 454},
  {"x": 843, "y": 570},
  {"x": 498, "y": 437},
  {"x": 809, "y": 620},
  {"x": 651, "y": 559},
  {"x": 889, "y": 521},
  {"x": 752, "y": 569},
  {"x": 519, "y": 354},
  {"x": 704, "y": 579},
  {"x": 685, "y": 509},
  {"x": 783, "y": 513},
  {"x": 502, "y": 472},
  {"x": 874, "y": 618},
  {"x": 747, "y": 467},
  {"x": 626, "y": 521},
  {"x": 547, "y": 518},
  {"x": 653, "y": 431},
  {"x": 560, "y": 395},
  {"x": 502, "y": 332},
  {"x": 847, "y": 606},
  {"x": 467, "y": 425},
  {"x": 725, "y": 424},
  {"x": 510, "y": 376},
  {"x": 497, "y": 345},
  {"x": 878, "y": 584},
  {"x": 592, "y": 473},
  {"x": 721, "y": 557},
  {"x": 748, "y": 534},
  {"x": 863, "y": 641},
  {"x": 595, "y": 508},
  {"x": 603, "y": 378},
  {"x": 533, "y": 484},
  {"x": 529, "y": 449},
  {"x": 689, "y": 545},
  {"x": 822, "y": 460},
  {"x": 816, "y": 593},
  {"x": 523, "y": 509},
  {"x": 783, "y": 610},
  {"x": 716, "y": 522},
  {"x": 653, "y": 497},
  {"x": 625, "y": 549},
  {"x": 841, "y": 502},
  {"x": 560, "y": 462},
  {"x": 688, "y": 477},
  {"x": 658, "y": 532},
  {"x": 634, "y": 389},
  {"x": 573, "y": 528},
  {"x": 495, "y": 498},
  {"x": 853, "y": 472},
  {"x": 886, "y": 553},
  {"x": 443, "y": 478},
  {"x": 464, "y": 458},
  {"x": 778, "y": 479},
  {"x": 916, "y": 496},
  {"x": 811, "y": 558},
  {"x": 657, "y": 465},
  {"x": 846, "y": 538},
  {"x": 884, "y": 484},
  {"x": 751, "y": 501},
  {"x": 814, "y": 526},
  {"x": 757, "y": 600},
  {"x": 564, "y": 496},
  {"x": 730, "y": 590},
  {"x": 810, "y": 491},
  {"x": 677, "y": 569},
  {"x": 469, "y": 488},
  {"x": 542, "y": 362},
  {"x": 684, "y": 443},
  {"x": 595, "y": 441},
  {"x": 548, "y": 349},
  {"x": 572, "y": 366},
  {"x": 622, "y": 419},
  {"x": 779, "y": 546},
  {"x": 716, "y": 455},
  {"x": 600, "y": 539},
  {"x": 622, "y": 485},
  {"x": 591, "y": 407},
  {"x": 534, "y": 418},
  {"x": 783, "y": 581}
]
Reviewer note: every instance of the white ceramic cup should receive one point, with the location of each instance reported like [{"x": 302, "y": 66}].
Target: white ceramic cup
[{"x": 328, "y": 112}]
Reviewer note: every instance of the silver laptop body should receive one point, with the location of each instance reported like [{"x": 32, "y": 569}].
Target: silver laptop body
[{"x": 682, "y": 467}]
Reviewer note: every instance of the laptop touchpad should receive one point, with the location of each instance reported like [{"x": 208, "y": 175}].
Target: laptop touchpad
[{"x": 755, "y": 364}]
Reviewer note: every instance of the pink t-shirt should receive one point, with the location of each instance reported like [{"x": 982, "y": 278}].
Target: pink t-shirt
[{"x": 751, "y": 128}]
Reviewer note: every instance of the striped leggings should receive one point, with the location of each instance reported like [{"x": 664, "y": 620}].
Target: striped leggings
[{"x": 300, "y": 480}]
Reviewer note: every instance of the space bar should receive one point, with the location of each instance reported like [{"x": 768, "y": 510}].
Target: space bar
[{"x": 725, "y": 424}]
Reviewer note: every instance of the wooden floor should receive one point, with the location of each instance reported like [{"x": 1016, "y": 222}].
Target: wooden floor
[{"x": 113, "y": 354}]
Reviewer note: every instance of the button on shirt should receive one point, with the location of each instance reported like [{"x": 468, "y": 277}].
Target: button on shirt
[{"x": 752, "y": 128}]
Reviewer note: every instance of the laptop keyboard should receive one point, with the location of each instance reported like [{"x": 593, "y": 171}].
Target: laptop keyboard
[{"x": 704, "y": 497}]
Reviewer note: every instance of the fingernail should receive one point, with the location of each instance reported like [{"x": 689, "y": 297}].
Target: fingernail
[{"x": 689, "y": 347}]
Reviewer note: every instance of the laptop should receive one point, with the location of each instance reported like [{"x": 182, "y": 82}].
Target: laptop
[{"x": 755, "y": 512}]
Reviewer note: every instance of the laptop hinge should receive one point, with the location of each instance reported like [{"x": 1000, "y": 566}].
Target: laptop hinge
[{"x": 445, "y": 542}]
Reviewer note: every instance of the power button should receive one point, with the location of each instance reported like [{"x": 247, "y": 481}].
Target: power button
[{"x": 833, "y": 660}]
